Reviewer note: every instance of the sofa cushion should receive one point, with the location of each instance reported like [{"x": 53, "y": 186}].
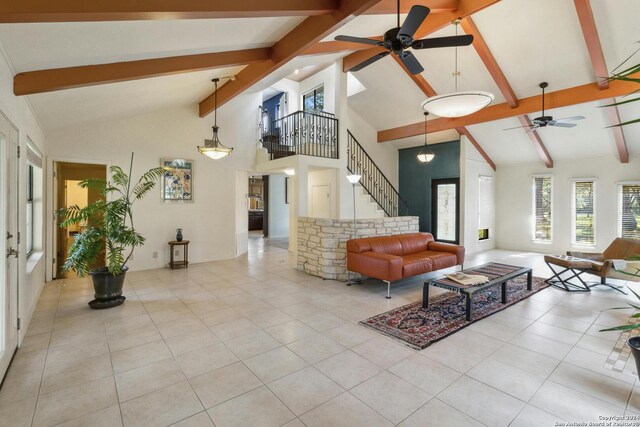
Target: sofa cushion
[
  {"x": 386, "y": 245},
  {"x": 414, "y": 242},
  {"x": 440, "y": 260},
  {"x": 416, "y": 264}
]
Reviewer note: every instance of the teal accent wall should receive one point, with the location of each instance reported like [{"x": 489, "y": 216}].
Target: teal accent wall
[{"x": 415, "y": 177}]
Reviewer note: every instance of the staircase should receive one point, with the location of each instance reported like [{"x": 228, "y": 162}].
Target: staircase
[{"x": 373, "y": 181}]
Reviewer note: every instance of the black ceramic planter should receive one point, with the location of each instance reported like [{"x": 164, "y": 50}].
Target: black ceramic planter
[
  {"x": 634, "y": 344},
  {"x": 107, "y": 288}
]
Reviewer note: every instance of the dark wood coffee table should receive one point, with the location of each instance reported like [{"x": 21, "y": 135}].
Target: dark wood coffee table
[{"x": 498, "y": 274}]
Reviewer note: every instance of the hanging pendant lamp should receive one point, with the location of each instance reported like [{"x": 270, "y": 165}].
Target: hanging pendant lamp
[
  {"x": 213, "y": 148},
  {"x": 425, "y": 155},
  {"x": 458, "y": 103}
]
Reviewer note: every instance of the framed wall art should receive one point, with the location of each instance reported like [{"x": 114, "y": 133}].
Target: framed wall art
[{"x": 177, "y": 181}]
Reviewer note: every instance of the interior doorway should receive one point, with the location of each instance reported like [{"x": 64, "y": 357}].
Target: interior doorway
[
  {"x": 9, "y": 183},
  {"x": 67, "y": 176},
  {"x": 445, "y": 210}
]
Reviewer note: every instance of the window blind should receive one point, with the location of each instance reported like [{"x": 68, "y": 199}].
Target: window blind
[
  {"x": 542, "y": 208},
  {"x": 583, "y": 213},
  {"x": 486, "y": 204},
  {"x": 629, "y": 210}
]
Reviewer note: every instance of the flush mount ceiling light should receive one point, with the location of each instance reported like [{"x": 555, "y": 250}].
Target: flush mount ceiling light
[
  {"x": 213, "y": 148},
  {"x": 457, "y": 103},
  {"x": 425, "y": 155}
]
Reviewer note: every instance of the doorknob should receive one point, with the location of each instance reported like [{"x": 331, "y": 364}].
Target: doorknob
[{"x": 13, "y": 252}]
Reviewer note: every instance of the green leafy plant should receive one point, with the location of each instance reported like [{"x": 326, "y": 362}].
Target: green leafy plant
[
  {"x": 628, "y": 75},
  {"x": 108, "y": 221}
]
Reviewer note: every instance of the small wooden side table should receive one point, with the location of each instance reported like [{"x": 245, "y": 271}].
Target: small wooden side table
[{"x": 185, "y": 253}]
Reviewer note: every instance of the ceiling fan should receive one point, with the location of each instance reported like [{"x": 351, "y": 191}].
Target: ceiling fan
[
  {"x": 398, "y": 40},
  {"x": 544, "y": 121}
]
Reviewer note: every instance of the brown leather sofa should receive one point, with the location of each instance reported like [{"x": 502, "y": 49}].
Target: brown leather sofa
[{"x": 391, "y": 258}]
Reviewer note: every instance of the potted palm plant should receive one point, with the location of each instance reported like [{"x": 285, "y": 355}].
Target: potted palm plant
[{"x": 108, "y": 224}]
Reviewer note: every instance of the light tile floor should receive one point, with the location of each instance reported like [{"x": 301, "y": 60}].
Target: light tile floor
[{"x": 252, "y": 341}]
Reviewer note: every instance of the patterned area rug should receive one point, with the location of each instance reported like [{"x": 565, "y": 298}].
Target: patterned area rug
[{"x": 418, "y": 327}]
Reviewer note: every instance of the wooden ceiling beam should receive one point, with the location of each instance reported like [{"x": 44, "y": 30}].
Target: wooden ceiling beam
[
  {"x": 431, "y": 24},
  {"x": 537, "y": 142},
  {"x": 489, "y": 61},
  {"x": 562, "y": 98},
  {"x": 618, "y": 133},
  {"x": 20, "y": 11},
  {"x": 426, "y": 88},
  {"x": 32, "y": 82},
  {"x": 592, "y": 40},
  {"x": 306, "y": 34}
]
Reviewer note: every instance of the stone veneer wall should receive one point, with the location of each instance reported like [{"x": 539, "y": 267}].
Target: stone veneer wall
[{"x": 322, "y": 242}]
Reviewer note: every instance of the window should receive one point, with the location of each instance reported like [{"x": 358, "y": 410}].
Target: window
[
  {"x": 29, "y": 220},
  {"x": 542, "y": 196},
  {"x": 583, "y": 214},
  {"x": 314, "y": 99},
  {"x": 486, "y": 207},
  {"x": 629, "y": 210}
]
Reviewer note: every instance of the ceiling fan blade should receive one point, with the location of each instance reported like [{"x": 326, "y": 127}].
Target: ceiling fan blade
[
  {"x": 436, "y": 42},
  {"x": 519, "y": 127},
  {"x": 415, "y": 18},
  {"x": 369, "y": 61},
  {"x": 564, "y": 125},
  {"x": 532, "y": 128},
  {"x": 570, "y": 119},
  {"x": 358, "y": 40},
  {"x": 411, "y": 62}
]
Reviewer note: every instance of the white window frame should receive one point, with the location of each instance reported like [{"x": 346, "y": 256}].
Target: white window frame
[
  {"x": 594, "y": 181},
  {"x": 619, "y": 204},
  {"x": 533, "y": 209},
  {"x": 493, "y": 221}
]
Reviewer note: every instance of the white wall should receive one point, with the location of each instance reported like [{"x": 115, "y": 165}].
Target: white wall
[
  {"x": 472, "y": 167},
  {"x": 278, "y": 209},
  {"x": 326, "y": 177},
  {"x": 326, "y": 77},
  {"x": 215, "y": 223},
  {"x": 292, "y": 89},
  {"x": 514, "y": 201},
  {"x": 17, "y": 110},
  {"x": 384, "y": 155}
]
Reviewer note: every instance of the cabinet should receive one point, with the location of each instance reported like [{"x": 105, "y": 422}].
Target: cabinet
[{"x": 255, "y": 220}]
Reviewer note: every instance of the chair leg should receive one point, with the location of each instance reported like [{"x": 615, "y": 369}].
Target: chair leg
[
  {"x": 603, "y": 282},
  {"x": 564, "y": 284},
  {"x": 388, "y": 289}
]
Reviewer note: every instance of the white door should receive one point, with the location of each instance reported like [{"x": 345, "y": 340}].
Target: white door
[
  {"x": 320, "y": 201},
  {"x": 9, "y": 239},
  {"x": 54, "y": 221}
]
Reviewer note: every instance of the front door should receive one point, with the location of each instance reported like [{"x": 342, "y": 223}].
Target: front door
[
  {"x": 445, "y": 209},
  {"x": 9, "y": 238}
]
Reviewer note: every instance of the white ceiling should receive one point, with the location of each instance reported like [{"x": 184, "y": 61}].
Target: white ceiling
[{"x": 531, "y": 41}]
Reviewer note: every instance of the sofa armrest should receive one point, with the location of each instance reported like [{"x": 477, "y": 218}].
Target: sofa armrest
[
  {"x": 457, "y": 250},
  {"x": 586, "y": 255},
  {"x": 378, "y": 265}
]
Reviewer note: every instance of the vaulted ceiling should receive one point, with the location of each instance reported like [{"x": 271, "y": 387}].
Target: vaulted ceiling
[{"x": 524, "y": 43}]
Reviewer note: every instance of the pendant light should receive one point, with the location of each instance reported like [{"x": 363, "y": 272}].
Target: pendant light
[
  {"x": 458, "y": 103},
  {"x": 213, "y": 148},
  {"x": 425, "y": 155}
]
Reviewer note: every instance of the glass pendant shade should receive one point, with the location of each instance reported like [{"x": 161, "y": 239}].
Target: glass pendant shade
[
  {"x": 213, "y": 148},
  {"x": 425, "y": 155},
  {"x": 457, "y": 104}
]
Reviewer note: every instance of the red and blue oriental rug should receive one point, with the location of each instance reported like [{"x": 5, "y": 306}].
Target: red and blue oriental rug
[{"x": 419, "y": 327}]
